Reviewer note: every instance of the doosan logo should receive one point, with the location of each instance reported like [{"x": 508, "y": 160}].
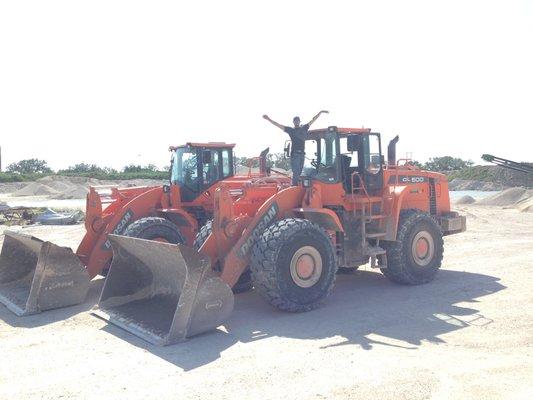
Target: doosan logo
[
  {"x": 263, "y": 223},
  {"x": 120, "y": 228}
]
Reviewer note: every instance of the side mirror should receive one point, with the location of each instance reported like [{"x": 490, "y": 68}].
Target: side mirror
[
  {"x": 287, "y": 149},
  {"x": 354, "y": 142},
  {"x": 206, "y": 157}
]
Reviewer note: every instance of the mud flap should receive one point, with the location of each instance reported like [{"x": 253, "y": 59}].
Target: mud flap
[
  {"x": 162, "y": 292},
  {"x": 36, "y": 275}
]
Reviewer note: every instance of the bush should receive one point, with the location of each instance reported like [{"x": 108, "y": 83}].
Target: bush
[
  {"x": 139, "y": 168},
  {"x": 12, "y": 177}
]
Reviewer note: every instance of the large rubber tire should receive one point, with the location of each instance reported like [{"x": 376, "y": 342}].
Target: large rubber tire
[
  {"x": 155, "y": 228},
  {"x": 271, "y": 264},
  {"x": 202, "y": 235},
  {"x": 151, "y": 228},
  {"x": 244, "y": 284},
  {"x": 401, "y": 265}
]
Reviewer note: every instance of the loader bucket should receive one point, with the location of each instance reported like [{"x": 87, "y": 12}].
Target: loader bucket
[
  {"x": 162, "y": 292},
  {"x": 36, "y": 275}
]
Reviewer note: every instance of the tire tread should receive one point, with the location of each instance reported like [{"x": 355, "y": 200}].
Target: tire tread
[{"x": 264, "y": 268}]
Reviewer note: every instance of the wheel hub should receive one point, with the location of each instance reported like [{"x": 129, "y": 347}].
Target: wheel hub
[
  {"x": 306, "y": 266},
  {"x": 423, "y": 248}
]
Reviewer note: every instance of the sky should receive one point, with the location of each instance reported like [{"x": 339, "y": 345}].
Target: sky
[{"x": 117, "y": 82}]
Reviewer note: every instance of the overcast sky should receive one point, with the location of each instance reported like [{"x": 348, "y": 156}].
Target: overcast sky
[{"x": 116, "y": 82}]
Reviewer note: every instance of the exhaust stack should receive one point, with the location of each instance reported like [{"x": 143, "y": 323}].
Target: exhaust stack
[
  {"x": 391, "y": 151},
  {"x": 162, "y": 292}
]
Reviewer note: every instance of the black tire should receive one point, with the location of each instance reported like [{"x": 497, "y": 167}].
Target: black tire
[
  {"x": 153, "y": 228},
  {"x": 244, "y": 284},
  {"x": 202, "y": 235},
  {"x": 272, "y": 255},
  {"x": 402, "y": 266}
]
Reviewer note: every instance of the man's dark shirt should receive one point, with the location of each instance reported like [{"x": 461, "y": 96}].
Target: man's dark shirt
[{"x": 298, "y": 136}]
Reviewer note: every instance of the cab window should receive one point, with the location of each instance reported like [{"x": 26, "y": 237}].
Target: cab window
[
  {"x": 185, "y": 168},
  {"x": 210, "y": 167},
  {"x": 226, "y": 163},
  {"x": 321, "y": 159},
  {"x": 372, "y": 154},
  {"x": 349, "y": 158}
]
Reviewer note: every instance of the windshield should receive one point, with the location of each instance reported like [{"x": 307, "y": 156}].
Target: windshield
[
  {"x": 184, "y": 169},
  {"x": 320, "y": 159}
]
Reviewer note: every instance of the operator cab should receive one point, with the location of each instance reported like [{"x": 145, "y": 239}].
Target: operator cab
[
  {"x": 195, "y": 167},
  {"x": 345, "y": 155}
]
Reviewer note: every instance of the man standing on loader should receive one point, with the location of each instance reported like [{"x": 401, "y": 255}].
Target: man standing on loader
[{"x": 298, "y": 135}]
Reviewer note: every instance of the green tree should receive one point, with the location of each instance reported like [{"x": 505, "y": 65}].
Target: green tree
[
  {"x": 30, "y": 166},
  {"x": 447, "y": 163},
  {"x": 245, "y": 161},
  {"x": 279, "y": 160}
]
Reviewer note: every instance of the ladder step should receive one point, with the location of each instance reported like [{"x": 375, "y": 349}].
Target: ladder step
[
  {"x": 363, "y": 199},
  {"x": 374, "y": 235}
]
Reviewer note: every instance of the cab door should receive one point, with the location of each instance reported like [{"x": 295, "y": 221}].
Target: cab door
[
  {"x": 217, "y": 164},
  {"x": 371, "y": 162}
]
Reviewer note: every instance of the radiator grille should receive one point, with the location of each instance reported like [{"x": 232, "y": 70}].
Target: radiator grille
[{"x": 432, "y": 197}]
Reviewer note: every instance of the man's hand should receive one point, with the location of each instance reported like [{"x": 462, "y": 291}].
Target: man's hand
[
  {"x": 273, "y": 122},
  {"x": 316, "y": 117}
]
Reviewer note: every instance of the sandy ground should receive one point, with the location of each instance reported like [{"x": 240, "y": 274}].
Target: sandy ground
[{"x": 466, "y": 335}]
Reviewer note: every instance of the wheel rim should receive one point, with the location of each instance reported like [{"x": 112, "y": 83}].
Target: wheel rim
[
  {"x": 306, "y": 266},
  {"x": 160, "y": 239},
  {"x": 423, "y": 248}
]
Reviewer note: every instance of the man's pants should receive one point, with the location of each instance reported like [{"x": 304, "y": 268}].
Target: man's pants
[{"x": 297, "y": 165}]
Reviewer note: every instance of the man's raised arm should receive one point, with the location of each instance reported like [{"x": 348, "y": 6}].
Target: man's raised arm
[
  {"x": 316, "y": 117},
  {"x": 282, "y": 127}
]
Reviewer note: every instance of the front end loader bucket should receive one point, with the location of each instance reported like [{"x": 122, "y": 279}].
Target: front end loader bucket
[
  {"x": 36, "y": 275},
  {"x": 162, "y": 292}
]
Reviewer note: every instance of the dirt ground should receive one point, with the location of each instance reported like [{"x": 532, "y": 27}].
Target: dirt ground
[{"x": 466, "y": 335}]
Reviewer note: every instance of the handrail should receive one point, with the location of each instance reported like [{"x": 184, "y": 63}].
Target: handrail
[
  {"x": 407, "y": 160},
  {"x": 362, "y": 186},
  {"x": 397, "y": 168}
]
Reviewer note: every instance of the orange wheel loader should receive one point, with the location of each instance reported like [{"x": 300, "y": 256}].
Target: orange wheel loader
[
  {"x": 349, "y": 209},
  {"x": 36, "y": 275}
]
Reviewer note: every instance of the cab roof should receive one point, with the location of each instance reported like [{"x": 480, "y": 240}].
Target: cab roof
[
  {"x": 342, "y": 131},
  {"x": 210, "y": 145}
]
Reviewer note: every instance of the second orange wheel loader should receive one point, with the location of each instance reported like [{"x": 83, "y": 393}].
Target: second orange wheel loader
[{"x": 37, "y": 275}]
